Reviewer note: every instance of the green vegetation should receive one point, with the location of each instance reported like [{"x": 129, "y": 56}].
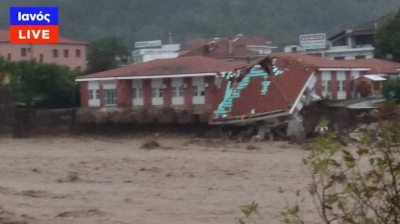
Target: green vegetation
[
  {"x": 138, "y": 20},
  {"x": 37, "y": 85},
  {"x": 391, "y": 89},
  {"x": 388, "y": 40},
  {"x": 107, "y": 53},
  {"x": 349, "y": 185},
  {"x": 354, "y": 187}
]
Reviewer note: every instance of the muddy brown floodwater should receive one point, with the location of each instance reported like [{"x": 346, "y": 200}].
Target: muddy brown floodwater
[{"x": 105, "y": 180}]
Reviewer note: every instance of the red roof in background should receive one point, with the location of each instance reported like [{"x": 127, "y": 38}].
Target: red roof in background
[
  {"x": 220, "y": 48},
  {"x": 375, "y": 65},
  {"x": 170, "y": 66},
  {"x": 320, "y": 62},
  {"x": 282, "y": 92},
  {"x": 378, "y": 66},
  {"x": 5, "y": 37},
  {"x": 243, "y": 41},
  {"x": 197, "y": 44}
]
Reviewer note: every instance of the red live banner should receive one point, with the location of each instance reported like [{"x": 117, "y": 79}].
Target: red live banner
[{"x": 34, "y": 34}]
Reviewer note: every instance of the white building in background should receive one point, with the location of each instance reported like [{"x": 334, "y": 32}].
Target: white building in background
[
  {"x": 349, "y": 44},
  {"x": 150, "y": 50}
]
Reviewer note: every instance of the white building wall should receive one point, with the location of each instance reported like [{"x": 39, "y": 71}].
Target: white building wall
[
  {"x": 137, "y": 92},
  {"x": 341, "y": 85},
  {"x": 349, "y": 54},
  {"x": 177, "y": 91},
  {"x": 157, "y": 92},
  {"x": 326, "y": 83},
  {"x": 94, "y": 93},
  {"x": 198, "y": 90}
]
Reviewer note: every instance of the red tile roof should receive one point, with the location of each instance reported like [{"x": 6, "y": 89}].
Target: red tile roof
[
  {"x": 375, "y": 65},
  {"x": 171, "y": 66},
  {"x": 243, "y": 41},
  {"x": 379, "y": 66},
  {"x": 320, "y": 62},
  {"x": 220, "y": 48},
  {"x": 5, "y": 37},
  {"x": 282, "y": 92}
]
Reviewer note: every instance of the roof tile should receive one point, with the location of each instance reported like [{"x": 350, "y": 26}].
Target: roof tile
[{"x": 170, "y": 66}]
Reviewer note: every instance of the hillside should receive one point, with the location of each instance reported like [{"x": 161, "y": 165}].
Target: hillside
[{"x": 280, "y": 21}]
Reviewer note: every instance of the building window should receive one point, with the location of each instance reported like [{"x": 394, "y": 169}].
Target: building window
[
  {"x": 90, "y": 94},
  {"x": 202, "y": 92},
  {"x": 23, "y": 52},
  {"x": 110, "y": 97},
  {"x": 177, "y": 91},
  {"x": 97, "y": 94},
  {"x": 180, "y": 92},
  {"x": 55, "y": 53},
  {"x": 198, "y": 91},
  {"x": 157, "y": 92},
  {"x": 41, "y": 58},
  {"x": 78, "y": 53},
  {"x": 66, "y": 53},
  {"x": 326, "y": 86},
  {"x": 8, "y": 57},
  {"x": 195, "y": 90},
  {"x": 137, "y": 93},
  {"x": 361, "y": 57},
  {"x": 343, "y": 86}
]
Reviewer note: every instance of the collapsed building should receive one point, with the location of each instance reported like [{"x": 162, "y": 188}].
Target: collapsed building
[
  {"x": 264, "y": 96},
  {"x": 244, "y": 100}
]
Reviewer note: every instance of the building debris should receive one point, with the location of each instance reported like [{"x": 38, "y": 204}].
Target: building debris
[{"x": 256, "y": 101}]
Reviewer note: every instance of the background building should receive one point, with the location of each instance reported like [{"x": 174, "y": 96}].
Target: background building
[
  {"x": 150, "y": 50},
  {"x": 350, "y": 43},
  {"x": 68, "y": 52}
]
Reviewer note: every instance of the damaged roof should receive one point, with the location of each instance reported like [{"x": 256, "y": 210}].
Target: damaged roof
[
  {"x": 170, "y": 66},
  {"x": 272, "y": 85}
]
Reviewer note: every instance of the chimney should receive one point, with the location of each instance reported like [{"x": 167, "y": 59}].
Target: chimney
[{"x": 230, "y": 46}]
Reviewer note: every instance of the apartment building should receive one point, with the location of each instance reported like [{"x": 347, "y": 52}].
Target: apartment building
[{"x": 68, "y": 52}]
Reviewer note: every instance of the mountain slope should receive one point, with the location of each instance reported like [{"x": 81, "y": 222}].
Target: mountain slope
[{"x": 281, "y": 21}]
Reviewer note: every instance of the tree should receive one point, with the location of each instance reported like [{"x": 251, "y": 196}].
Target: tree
[
  {"x": 391, "y": 89},
  {"x": 107, "y": 53},
  {"x": 387, "y": 40},
  {"x": 353, "y": 185},
  {"x": 360, "y": 186},
  {"x": 40, "y": 85}
]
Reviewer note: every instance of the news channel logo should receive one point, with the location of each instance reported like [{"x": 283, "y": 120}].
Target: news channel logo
[{"x": 34, "y": 25}]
